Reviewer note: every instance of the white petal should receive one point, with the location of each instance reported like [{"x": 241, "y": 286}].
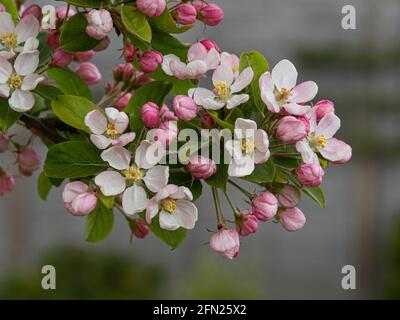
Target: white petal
[
  {"x": 234, "y": 148},
  {"x": 166, "y": 191},
  {"x": 6, "y": 23},
  {"x": 183, "y": 193},
  {"x": 21, "y": 101},
  {"x": 27, "y": 28},
  {"x": 261, "y": 140},
  {"x": 151, "y": 209},
  {"x": 304, "y": 92},
  {"x": 306, "y": 152},
  {"x": 245, "y": 128},
  {"x": 169, "y": 221},
  {"x": 261, "y": 156},
  {"x": 244, "y": 79},
  {"x": 124, "y": 139},
  {"x": 101, "y": 142},
  {"x": 267, "y": 87},
  {"x": 156, "y": 178},
  {"x": 73, "y": 189},
  {"x": 296, "y": 109},
  {"x": 4, "y": 90},
  {"x": 223, "y": 73},
  {"x": 7, "y": 55},
  {"x": 211, "y": 104},
  {"x": 31, "y": 81},
  {"x": 31, "y": 44},
  {"x": 186, "y": 214},
  {"x": 148, "y": 154},
  {"x": 196, "y": 69},
  {"x": 26, "y": 62},
  {"x": 111, "y": 183},
  {"x": 96, "y": 121},
  {"x": 134, "y": 199},
  {"x": 284, "y": 75},
  {"x": 117, "y": 157},
  {"x": 236, "y": 100},
  {"x": 166, "y": 64},
  {"x": 5, "y": 70},
  {"x": 241, "y": 169},
  {"x": 213, "y": 59},
  {"x": 328, "y": 125},
  {"x": 197, "y": 52},
  {"x": 200, "y": 94}
]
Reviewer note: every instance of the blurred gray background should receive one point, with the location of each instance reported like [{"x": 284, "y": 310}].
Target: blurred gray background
[{"x": 359, "y": 71}]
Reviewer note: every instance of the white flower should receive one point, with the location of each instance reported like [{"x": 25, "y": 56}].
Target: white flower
[
  {"x": 175, "y": 208},
  {"x": 109, "y": 129},
  {"x": 225, "y": 87},
  {"x": 20, "y": 80},
  {"x": 250, "y": 146},
  {"x": 11, "y": 37},
  {"x": 279, "y": 90},
  {"x": 133, "y": 175}
]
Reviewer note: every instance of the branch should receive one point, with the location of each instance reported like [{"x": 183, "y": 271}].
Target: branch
[{"x": 35, "y": 123}]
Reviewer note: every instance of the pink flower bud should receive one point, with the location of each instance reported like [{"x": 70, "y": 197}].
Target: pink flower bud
[
  {"x": 211, "y": 14},
  {"x": 61, "y": 58},
  {"x": 123, "y": 101},
  {"x": 29, "y": 160},
  {"x": 103, "y": 45},
  {"x": 84, "y": 56},
  {"x": 78, "y": 200},
  {"x": 150, "y": 114},
  {"x": 289, "y": 197},
  {"x": 246, "y": 223},
  {"x": 129, "y": 52},
  {"x": 53, "y": 40},
  {"x": 100, "y": 24},
  {"x": 306, "y": 122},
  {"x": 292, "y": 219},
  {"x": 185, "y": 108},
  {"x": 201, "y": 167},
  {"x": 166, "y": 114},
  {"x": 2, "y": 8},
  {"x": 61, "y": 12},
  {"x": 290, "y": 129},
  {"x": 210, "y": 44},
  {"x": 4, "y": 141},
  {"x": 226, "y": 243},
  {"x": 265, "y": 206},
  {"x": 7, "y": 183},
  {"x": 123, "y": 72},
  {"x": 309, "y": 174},
  {"x": 33, "y": 10},
  {"x": 207, "y": 121},
  {"x": 150, "y": 60},
  {"x": 89, "y": 73},
  {"x": 152, "y": 8},
  {"x": 198, "y": 5},
  {"x": 323, "y": 107},
  {"x": 139, "y": 228},
  {"x": 185, "y": 14}
]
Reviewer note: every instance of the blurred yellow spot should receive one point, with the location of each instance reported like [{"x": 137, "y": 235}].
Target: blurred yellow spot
[{"x": 168, "y": 205}]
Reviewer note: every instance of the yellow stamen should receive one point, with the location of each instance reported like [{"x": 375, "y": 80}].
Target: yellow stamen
[
  {"x": 14, "y": 82},
  {"x": 222, "y": 90},
  {"x": 248, "y": 146},
  {"x": 9, "y": 40},
  {"x": 168, "y": 205},
  {"x": 133, "y": 173},
  {"x": 284, "y": 94},
  {"x": 112, "y": 131},
  {"x": 322, "y": 141}
]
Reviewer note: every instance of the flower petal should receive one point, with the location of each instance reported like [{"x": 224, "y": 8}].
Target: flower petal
[
  {"x": 284, "y": 75},
  {"x": 26, "y": 62},
  {"x": 245, "y": 128},
  {"x": 6, "y": 23},
  {"x": 148, "y": 154},
  {"x": 261, "y": 140},
  {"x": 261, "y": 156},
  {"x": 31, "y": 44},
  {"x": 166, "y": 64},
  {"x": 31, "y": 81},
  {"x": 236, "y": 100},
  {"x": 328, "y": 125},
  {"x": 223, "y": 73},
  {"x": 100, "y": 141},
  {"x": 119, "y": 119},
  {"x": 111, "y": 183},
  {"x": 134, "y": 199},
  {"x": 267, "y": 87},
  {"x": 296, "y": 109},
  {"x": 96, "y": 121},
  {"x": 243, "y": 80},
  {"x": 4, "y": 90},
  {"x": 183, "y": 193},
  {"x": 73, "y": 189},
  {"x": 304, "y": 92},
  {"x": 307, "y": 154},
  {"x": 197, "y": 52},
  {"x": 169, "y": 221},
  {"x": 156, "y": 178},
  {"x": 186, "y": 214},
  {"x": 117, "y": 157},
  {"x": 21, "y": 101},
  {"x": 27, "y": 28},
  {"x": 213, "y": 59},
  {"x": 151, "y": 209},
  {"x": 242, "y": 168},
  {"x": 124, "y": 139},
  {"x": 196, "y": 69},
  {"x": 336, "y": 151},
  {"x": 5, "y": 70}
]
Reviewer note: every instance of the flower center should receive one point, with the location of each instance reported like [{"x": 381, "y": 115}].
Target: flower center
[
  {"x": 222, "y": 90},
  {"x": 9, "y": 40},
  {"x": 248, "y": 146},
  {"x": 320, "y": 141},
  {"x": 15, "y": 81},
  {"x": 283, "y": 95},
  {"x": 133, "y": 173},
  {"x": 112, "y": 132},
  {"x": 168, "y": 205}
]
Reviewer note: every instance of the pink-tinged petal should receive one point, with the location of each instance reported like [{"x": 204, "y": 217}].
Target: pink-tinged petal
[
  {"x": 237, "y": 100},
  {"x": 96, "y": 121},
  {"x": 183, "y": 193},
  {"x": 186, "y": 214},
  {"x": 31, "y": 81},
  {"x": 125, "y": 139},
  {"x": 261, "y": 140},
  {"x": 179, "y": 69},
  {"x": 245, "y": 128},
  {"x": 312, "y": 117},
  {"x": 267, "y": 92},
  {"x": 111, "y": 183},
  {"x": 5, "y": 70},
  {"x": 168, "y": 221},
  {"x": 21, "y": 101},
  {"x": 27, "y": 62},
  {"x": 151, "y": 209},
  {"x": 336, "y": 151},
  {"x": 7, "y": 55},
  {"x": 197, "y": 52},
  {"x": 120, "y": 119},
  {"x": 261, "y": 156},
  {"x": 223, "y": 73},
  {"x": 6, "y": 23},
  {"x": 213, "y": 59},
  {"x": 307, "y": 154},
  {"x": 117, "y": 157},
  {"x": 100, "y": 141},
  {"x": 166, "y": 192},
  {"x": 200, "y": 94},
  {"x": 156, "y": 178},
  {"x": 134, "y": 200},
  {"x": 304, "y": 92},
  {"x": 243, "y": 168},
  {"x": 243, "y": 80},
  {"x": 73, "y": 189},
  {"x": 296, "y": 109},
  {"x": 284, "y": 75},
  {"x": 4, "y": 90},
  {"x": 27, "y": 28},
  {"x": 166, "y": 64},
  {"x": 148, "y": 154},
  {"x": 196, "y": 69},
  {"x": 328, "y": 125}
]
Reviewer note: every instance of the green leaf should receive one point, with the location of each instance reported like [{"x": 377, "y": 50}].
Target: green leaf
[
  {"x": 263, "y": 173},
  {"x": 167, "y": 44},
  {"x": 233, "y": 115},
  {"x": 99, "y": 223},
  {"x": 167, "y": 23},
  {"x": 73, "y": 159},
  {"x": 69, "y": 82},
  {"x": 47, "y": 92},
  {"x": 220, "y": 178},
  {"x": 72, "y": 110},
  {"x": 45, "y": 51},
  {"x": 11, "y": 8},
  {"x": 171, "y": 238},
  {"x": 44, "y": 186},
  {"x": 73, "y": 36},
  {"x": 89, "y": 3},
  {"x": 316, "y": 194},
  {"x": 136, "y": 23},
  {"x": 7, "y": 115},
  {"x": 181, "y": 87},
  {"x": 217, "y": 120},
  {"x": 108, "y": 201}
]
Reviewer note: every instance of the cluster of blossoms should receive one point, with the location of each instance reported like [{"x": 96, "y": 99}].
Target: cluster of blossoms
[{"x": 132, "y": 153}]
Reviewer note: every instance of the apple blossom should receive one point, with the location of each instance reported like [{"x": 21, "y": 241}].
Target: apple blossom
[
  {"x": 150, "y": 114},
  {"x": 310, "y": 174},
  {"x": 226, "y": 242},
  {"x": 79, "y": 201},
  {"x": 185, "y": 14},
  {"x": 4, "y": 142},
  {"x": 201, "y": 167},
  {"x": 150, "y": 60},
  {"x": 292, "y": 219},
  {"x": 139, "y": 228},
  {"x": 89, "y": 73},
  {"x": 185, "y": 108},
  {"x": 280, "y": 92},
  {"x": 29, "y": 160},
  {"x": 210, "y": 44},
  {"x": 17, "y": 81},
  {"x": 84, "y": 56},
  {"x": 100, "y": 24},
  {"x": 290, "y": 129},
  {"x": 108, "y": 128},
  {"x": 123, "y": 101},
  {"x": 265, "y": 206},
  {"x": 7, "y": 182},
  {"x": 61, "y": 58},
  {"x": 211, "y": 14},
  {"x": 323, "y": 107},
  {"x": 231, "y": 60},
  {"x": 152, "y": 8},
  {"x": 250, "y": 146},
  {"x": 174, "y": 206},
  {"x": 246, "y": 223},
  {"x": 225, "y": 87},
  {"x": 129, "y": 52},
  {"x": 289, "y": 197}
]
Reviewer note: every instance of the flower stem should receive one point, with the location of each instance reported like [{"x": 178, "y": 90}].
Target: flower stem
[
  {"x": 248, "y": 194},
  {"x": 234, "y": 209},
  {"x": 217, "y": 203}
]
